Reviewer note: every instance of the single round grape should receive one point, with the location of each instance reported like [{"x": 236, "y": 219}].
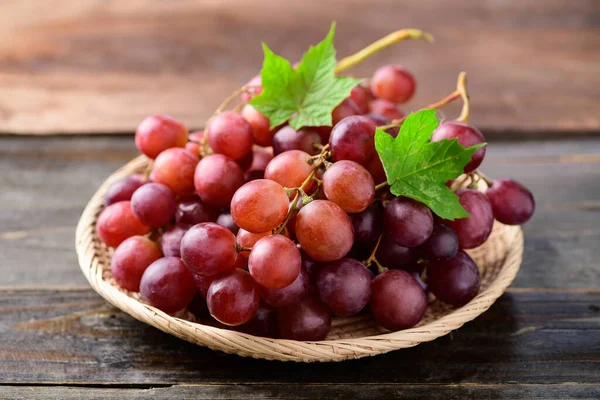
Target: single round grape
[
  {"x": 466, "y": 135},
  {"x": 474, "y": 230},
  {"x": 259, "y": 206},
  {"x": 407, "y": 222},
  {"x": 227, "y": 221},
  {"x": 512, "y": 203},
  {"x": 254, "y": 175},
  {"x": 230, "y": 134},
  {"x": 385, "y": 108},
  {"x": 208, "y": 249},
  {"x": 455, "y": 281},
  {"x": 309, "y": 319},
  {"x": 345, "y": 286},
  {"x": 131, "y": 259},
  {"x": 175, "y": 169},
  {"x": 245, "y": 162},
  {"x": 360, "y": 98},
  {"x": 393, "y": 84},
  {"x": 324, "y": 132},
  {"x": 203, "y": 283},
  {"x": 154, "y": 204},
  {"x": 123, "y": 189},
  {"x": 274, "y": 262},
  {"x": 198, "y": 306},
  {"x": 261, "y": 159},
  {"x": 261, "y": 127},
  {"x": 216, "y": 179},
  {"x": 345, "y": 109},
  {"x": 290, "y": 294},
  {"x": 397, "y": 300},
  {"x": 255, "y": 88},
  {"x": 194, "y": 211},
  {"x": 248, "y": 239},
  {"x": 233, "y": 298},
  {"x": 117, "y": 223},
  {"x": 287, "y": 138},
  {"x": 349, "y": 185},
  {"x": 393, "y": 256},
  {"x": 158, "y": 133},
  {"x": 193, "y": 146},
  {"x": 353, "y": 139},
  {"x": 263, "y": 324},
  {"x": 368, "y": 225},
  {"x": 289, "y": 169},
  {"x": 324, "y": 231},
  {"x": 170, "y": 240},
  {"x": 168, "y": 285},
  {"x": 309, "y": 265},
  {"x": 441, "y": 245}
]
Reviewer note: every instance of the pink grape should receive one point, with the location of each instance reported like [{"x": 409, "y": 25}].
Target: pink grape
[
  {"x": 259, "y": 206},
  {"x": 255, "y": 85},
  {"x": 455, "y": 281},
  {"x": 512, "y": 203},
  {"x": 131, "y": 259},
  {"x": 289, "y": 169},
  {"x": 158, "y": 133},
  {"x": 168, "y": 285},
  {"x": 274, "y": 262},
  {"x": 170, "y": 240},
  {"x": 473, "y": 231},
  {"x": 175, "y": 168},
  {"x": 230, "y": 134},
  {"x": 123, "y": 189},
  {"x": 349, "y": 185},
  {"x": 393, "y": 84},
  {"x": 307, "y": 320},
  {"x": 117, "y": 223},
  {"x": 345, "y": 109},
  {"x": 154, "y": 204},
  {"x": 287, "y": 138},
  {"x": 203, "y": 283},
  {"x": 360, "y": 98},
  {"x": 261, "y": 131},
  {"x": 216, "y": 179},
  {"x": 208, "y": 249},
  {"x": 466, "y": 135},
  {"x": 261, "y": 159},
  {"x": 233, "y": 298},
  {"x": 248, "y": 239},
  {"x": 385, "y": 108}
]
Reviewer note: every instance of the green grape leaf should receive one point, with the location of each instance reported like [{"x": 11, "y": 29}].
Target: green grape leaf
[
  {"x": 307, "y": 95},
  {"x": 418, "y": 168}
]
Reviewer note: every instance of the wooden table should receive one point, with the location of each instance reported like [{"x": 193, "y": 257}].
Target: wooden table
[{"x": 75, "y": 67}]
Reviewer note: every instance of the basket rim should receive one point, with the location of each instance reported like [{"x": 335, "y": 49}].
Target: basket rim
[{"x": 277, "y": 349}]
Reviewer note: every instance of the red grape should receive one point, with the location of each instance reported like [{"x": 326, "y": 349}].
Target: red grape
[
  {"x": 203, "y": 283},
  {"x": 397, "y": 301},
  {"x": 455, "y": 281},
  {"x": 193, "y": 212},
  {"x": 158, "y": 133},
  {"x": 154, "y": 205},
  {"x": 345, "y": 109},
  {"x": 248, "y": 239},
  {"x": 227, "y": 221},
  {"x": 392, "y": 256},
  {"x": 262, "y": 133},
  {"x": 380, "y": 120},
  {"x": 168, "y": 285},
  {"x": 193, "y": 148},
  {"x": 216, "y": 179},
  {"x": 175, "y": 169},
  {"x": 233, "y": 298},
  {"x": 263, "y": 324},
  {"x": 385, "y": 108},
  {"x": 407, "y": 222},
  {"x": 353, "y": 139},
  {"x": 307, "y": 320},
  {"x": 287, "y": 138},
  {"x": 122, "y": 190},
  {"x": 230, "y": 134},
  {"x": 324, "y": 231},
  {"x": 131, "y": 259},
  {"x": 117, "y": 222},
  {"x": 512, "y": 203},
  {"x": 349, "y": 185},
  {"x": 259, "y": 206},
  {"x": 368, "y": 225},
  {"x": 261, "y": 159},
  {"x": 208, "y": 249},
  {"x": 360, "y": 98},
  {"x": 441, "y": 245},
  {"x": 255, "y": 85},
  {"x": 345, "y": 286},
  {"x": 466, "y": 135},
  {"x": 289, "y": 169},
  {"x": 375, "y": 168},
  {"x": 311, "y": 266},
  {"x": 254, "y": 175},
  {"x": 290, "y": 294},
  {"x": 473, "y": 231},
  {"x": 274, "y": 262},
  {"x": 170, "y": 240},
  {"x": 393, "y": 84}
]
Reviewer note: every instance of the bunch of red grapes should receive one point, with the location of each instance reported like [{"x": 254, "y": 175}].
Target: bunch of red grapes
[{"x": 273, "y": 231}]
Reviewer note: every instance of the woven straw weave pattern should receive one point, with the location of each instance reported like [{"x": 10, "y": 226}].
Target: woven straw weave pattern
[{"x": 351, "y": 337}]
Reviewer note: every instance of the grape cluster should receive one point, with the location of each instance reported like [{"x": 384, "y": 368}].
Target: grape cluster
[{"x": 273, "y": 231}]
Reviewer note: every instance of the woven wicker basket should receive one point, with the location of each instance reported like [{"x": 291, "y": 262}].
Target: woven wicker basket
[{"x": 351, "y": 337}]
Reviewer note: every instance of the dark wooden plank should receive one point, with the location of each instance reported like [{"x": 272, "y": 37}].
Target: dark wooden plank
[
  {"x": 74, "y": 337},
  {"x": 47, "y": 182},
  {"x": 309, "y": 391},
  {"x": 73, "y": 66}
]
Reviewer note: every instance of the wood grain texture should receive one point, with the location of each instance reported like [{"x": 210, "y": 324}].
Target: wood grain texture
[
  {"x": 74, "y": 337},
  {"x": 79, "y": 66}
]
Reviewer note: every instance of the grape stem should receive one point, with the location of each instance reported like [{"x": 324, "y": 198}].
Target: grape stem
[
  {"x": 461, "y": 91},
  {"x": 461, "y": 87},
  {"x": 239, "y": 248},
  {"x": 392, "y": 38},
  {"x": 228, "y": 100},
  {"x": 148, "y": 170},
  {"x": 373, "y": 260},
  {"x": 381, "y": 185}
]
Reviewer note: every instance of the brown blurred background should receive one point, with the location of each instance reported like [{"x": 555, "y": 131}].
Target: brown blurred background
[{"x": 88, "y": 66}]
